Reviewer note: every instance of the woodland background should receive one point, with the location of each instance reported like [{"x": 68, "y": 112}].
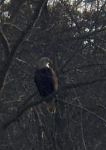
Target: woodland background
[{"x": 73, "y": 35}]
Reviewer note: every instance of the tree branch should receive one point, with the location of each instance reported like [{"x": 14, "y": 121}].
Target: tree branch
[
  {"x": 15, "y": 6},
  {"x": 80, "y": 84},
  {"x": 83, "y": 35},
  {"x": 12, "y": 25},
  {"x": 27, "y": 104},
  {"x": 5, "y": 44},
  {"x": 24, "y": 106},
  {"x": 19, "y": 42}
]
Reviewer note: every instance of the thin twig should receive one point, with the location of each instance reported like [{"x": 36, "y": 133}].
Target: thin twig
[
  {"x": 13, "y": 25},
  {"x": 91, "y": 65},
  {"x": 85, "y": 109},
  {"x": 20, "y": 112},
  {"x": 82, "y": 130},
  {"x": 27, "y": 104},
  {"x": 5, "y": 44},
  {"x": 81, "y": 84}
]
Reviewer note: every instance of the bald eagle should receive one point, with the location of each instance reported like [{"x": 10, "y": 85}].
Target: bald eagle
[{"x": 46, "y": 81}]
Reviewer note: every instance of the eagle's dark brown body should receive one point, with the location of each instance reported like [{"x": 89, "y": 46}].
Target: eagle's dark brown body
[{"x": 46, "y": 80}]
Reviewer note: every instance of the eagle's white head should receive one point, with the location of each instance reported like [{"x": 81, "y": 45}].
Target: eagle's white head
[{"x": 44, "y": 62}]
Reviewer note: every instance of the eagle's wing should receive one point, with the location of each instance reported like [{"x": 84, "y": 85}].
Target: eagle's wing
[
  {"x": 44, "y": 80},
  {"x": 47, "y": 83}
]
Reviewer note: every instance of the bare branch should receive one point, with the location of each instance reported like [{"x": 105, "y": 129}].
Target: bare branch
[
  {"x": 15, "y": 6},
  {"x": 20, "y": 41},
  {"x": 12, "y": 25},
  {"x": 101, "y": 48},
  {"x": 76, "y": 3},
  {"x": 83, "y": 108},
  {"x": 5, "y": 44},
  {"x": 88, "y": 34},
  {"x": 28, "y": 103},
  {"x": 90, "y": 65},
  {"x": 82, "y": 131},
  {"x": 70, "y": 59},
  {"x": 25, "y": 106},
  {"x": 40, "y": 12},
  {"x": 81, "y": 84}
]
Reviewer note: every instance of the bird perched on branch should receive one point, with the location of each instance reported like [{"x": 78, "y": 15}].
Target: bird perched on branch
[{"x": 47, "y": 82}]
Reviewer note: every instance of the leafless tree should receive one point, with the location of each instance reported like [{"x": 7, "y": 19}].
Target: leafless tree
[{"x": 73, "y": 35}]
